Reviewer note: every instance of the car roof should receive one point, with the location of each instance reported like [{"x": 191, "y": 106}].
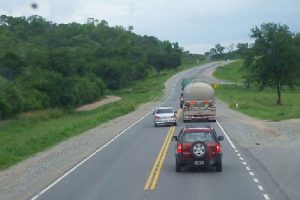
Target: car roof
[
  {"x": 164, "y": 108},
  {"x": 193, "y": 130},
  {"x": 197, "y": 128}
]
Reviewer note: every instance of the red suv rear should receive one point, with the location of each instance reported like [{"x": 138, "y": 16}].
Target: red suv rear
[{"x": 198, "y": 146}]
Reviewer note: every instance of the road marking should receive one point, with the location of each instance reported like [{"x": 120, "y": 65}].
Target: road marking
[
  {"x": 260, "y": 187},
  {"x": 244, "y": 163},
  {"x": 155, "y": 172},
  {"x": 162, "y": 160},
  {"x": 266, "y": 197},
  {"x": 224, "y": 132}
]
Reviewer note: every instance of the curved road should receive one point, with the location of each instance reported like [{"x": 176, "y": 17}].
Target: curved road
[{"x": 121, "y": 169}]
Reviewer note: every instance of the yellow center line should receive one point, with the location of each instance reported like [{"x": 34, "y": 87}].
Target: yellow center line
[
  {"x": 162, "y": 159},
  {"x": 155, "y": 172},
  {"x": 156, "y": 164},
  {"x": 159, "y": 161}
]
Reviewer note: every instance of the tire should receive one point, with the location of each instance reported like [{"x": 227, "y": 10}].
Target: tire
[
  {"x": 178, "y": 167},
  {"x": 155, "y": 125},
  {"x": 219, "y": 166},
  {"x": 199, "y": 149},
  {"x": 175, "y": 124}
]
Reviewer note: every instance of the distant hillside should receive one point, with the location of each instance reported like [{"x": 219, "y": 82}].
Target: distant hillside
[{"x": 43, "y": 64}]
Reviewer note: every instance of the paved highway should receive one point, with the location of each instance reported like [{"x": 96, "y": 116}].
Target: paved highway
[{"x": 140, "y": 164}]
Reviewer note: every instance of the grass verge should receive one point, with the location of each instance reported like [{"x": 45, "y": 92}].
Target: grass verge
[
  {"x": 34, "y": 132},
  {"x": 231, "y": 72},
  {"x": 252, "y": 101}
]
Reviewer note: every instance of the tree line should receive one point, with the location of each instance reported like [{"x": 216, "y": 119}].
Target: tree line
[
  {"x": 44, "y": 64},
  {"x": 273, "y": 60}
]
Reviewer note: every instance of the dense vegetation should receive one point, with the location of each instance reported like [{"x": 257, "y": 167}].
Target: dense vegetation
[
  {"x": 36, "y": 131},
  {"x": 46, "y": 65}
]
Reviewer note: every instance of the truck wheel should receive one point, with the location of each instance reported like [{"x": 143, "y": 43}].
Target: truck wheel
[
  {"x": 219, "y": 166},
  {"x": 178, "y": 167}
]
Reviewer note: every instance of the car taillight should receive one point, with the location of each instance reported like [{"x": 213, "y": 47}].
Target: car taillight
[
  {"x": 179, "y": 148},
  {"x": 218, "y": 148},
  {"x": 157, "y": 117}
]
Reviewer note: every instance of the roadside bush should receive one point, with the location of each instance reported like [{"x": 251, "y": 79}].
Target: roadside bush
[{"x": 11, "y": 101}]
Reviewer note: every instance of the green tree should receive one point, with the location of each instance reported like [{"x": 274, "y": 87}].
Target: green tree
[
  {"x": 272, "y": 63},
  {"x": 220, "y": 49}
]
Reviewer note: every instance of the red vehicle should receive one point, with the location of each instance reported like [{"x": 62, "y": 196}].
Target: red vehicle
[{"x": 198, "y": 146}]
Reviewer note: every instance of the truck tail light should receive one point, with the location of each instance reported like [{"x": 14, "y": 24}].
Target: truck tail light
[{"x": 179, "y": 148}]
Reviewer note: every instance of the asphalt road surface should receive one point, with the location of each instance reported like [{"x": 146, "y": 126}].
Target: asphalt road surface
[{"x": 140, "y": 164}]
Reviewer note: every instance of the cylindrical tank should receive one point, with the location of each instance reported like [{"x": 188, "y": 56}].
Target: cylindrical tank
[{"x": 198, "y": 91}]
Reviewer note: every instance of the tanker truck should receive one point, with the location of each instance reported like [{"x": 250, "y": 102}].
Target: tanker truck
[{"x": 199, "y": 102}]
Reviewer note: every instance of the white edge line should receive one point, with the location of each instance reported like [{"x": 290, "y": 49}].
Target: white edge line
[
  {"x": 227, "y": 137},
  {"x": 233, "y": 146},
  {"x": 102, "y": 147},
  {"x": 266, "y": 197},
  {"x": 260, "y": 187}
]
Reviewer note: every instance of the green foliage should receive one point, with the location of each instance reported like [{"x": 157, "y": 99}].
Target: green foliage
[
  {"x": 188, "y": 58},
  {"x": 10, "y": 99},
  {"x": 271, "y": 62},
  {"x": 65, "y": 65},
  {"x": 231, "y": 72},
  {"x": 36, "y": 131},
  {"x": 258, "y": 103}
]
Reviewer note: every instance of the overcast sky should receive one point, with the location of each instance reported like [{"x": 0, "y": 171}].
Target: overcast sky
[{"x": 197, "y": 25}]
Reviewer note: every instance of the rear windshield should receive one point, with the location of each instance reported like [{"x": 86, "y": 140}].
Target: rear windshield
[
  {"x": 164, "y": 111},
  {"x": 198, "y": 136}
]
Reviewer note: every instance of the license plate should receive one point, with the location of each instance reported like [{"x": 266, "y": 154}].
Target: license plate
[{"x": 199, "y": 162}]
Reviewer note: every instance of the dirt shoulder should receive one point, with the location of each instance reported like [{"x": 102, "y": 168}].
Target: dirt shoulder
[{"x": 92, "y": 106}]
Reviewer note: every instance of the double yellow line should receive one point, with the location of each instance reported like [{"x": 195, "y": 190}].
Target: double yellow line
[{"x": 154, "y": 174}]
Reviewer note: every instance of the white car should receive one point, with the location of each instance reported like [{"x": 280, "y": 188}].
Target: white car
[{"x": 165, "y": 116}]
